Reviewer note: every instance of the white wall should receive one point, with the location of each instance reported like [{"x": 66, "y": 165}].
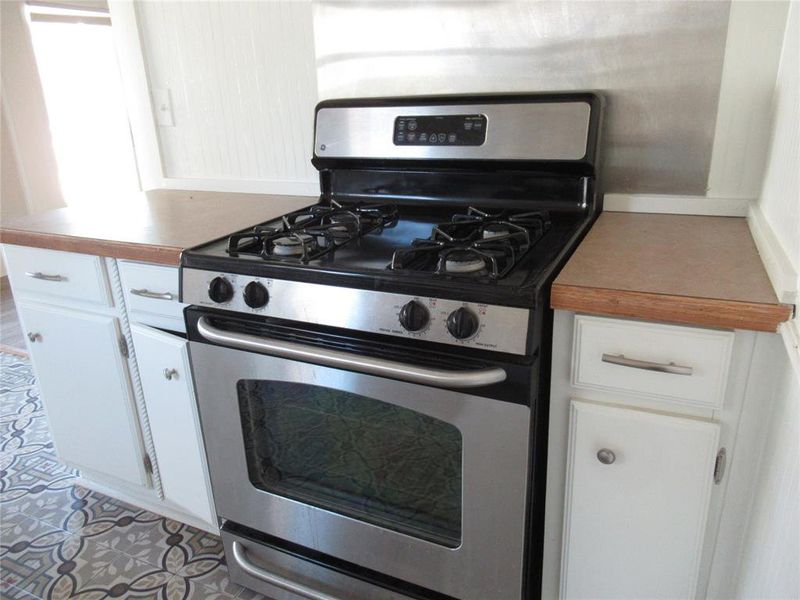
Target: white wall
[
  {"x": 241, "y": 80},
  {"x": 25, "y": 112},
  {"x": 770, "y": 565},
  {"x": 13, "y": 201},
  {"x": 744, "y": 114},
  {"x": 779, "y": 201}
]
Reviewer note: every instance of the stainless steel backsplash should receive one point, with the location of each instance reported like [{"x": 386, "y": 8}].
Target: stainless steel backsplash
[{"x": 658, "y": 63}]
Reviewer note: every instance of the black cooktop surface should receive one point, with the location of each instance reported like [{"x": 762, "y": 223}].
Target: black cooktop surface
[{"x": 465, "y": 252}]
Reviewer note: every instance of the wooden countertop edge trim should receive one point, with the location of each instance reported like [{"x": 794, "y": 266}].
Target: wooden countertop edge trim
[
  {"x": 690, "y": 310},
  {"x": 164, "y": 255}
]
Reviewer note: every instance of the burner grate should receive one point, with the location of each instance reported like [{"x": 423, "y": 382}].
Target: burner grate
[
  {"x": 312, "y": 233},
  {"x": 476, "y": 244}
]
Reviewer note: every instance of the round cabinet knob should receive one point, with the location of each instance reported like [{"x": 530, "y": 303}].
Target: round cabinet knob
[
  {"x": 413, "y": 316},
  {"x": 606, "y": 456},
  {"x": 462, "y": 323},
  {"x": 220, "y": 290},
  {"x": 169, "y": 374},
  {"x": 255, "y": 295}
]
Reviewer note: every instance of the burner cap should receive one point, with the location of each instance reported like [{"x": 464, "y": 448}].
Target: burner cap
[
  {"x": 493, "y": 230},
  {"x": 291, "y": 245},
  {"x": 299, "y": 219},
  {"x": 463, "y": 262}
]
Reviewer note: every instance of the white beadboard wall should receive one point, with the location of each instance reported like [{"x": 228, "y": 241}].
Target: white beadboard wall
[
  {"x": 241, "y": 79},
  {"x": 770, "y": 563},
  {"x": 780, "y": 193}
]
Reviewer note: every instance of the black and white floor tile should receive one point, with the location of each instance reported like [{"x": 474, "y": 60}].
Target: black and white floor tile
[{"x": 60, "y": 540}]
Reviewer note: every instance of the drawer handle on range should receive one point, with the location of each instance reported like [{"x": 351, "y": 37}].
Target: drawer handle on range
[
  {"x": 672, "y": 368},
  {"x": 153, "y": 295},
  {"x": 345, "y": 360},
  {"x": 44, "y": 277},
  {"x": 240, "y": 556}
]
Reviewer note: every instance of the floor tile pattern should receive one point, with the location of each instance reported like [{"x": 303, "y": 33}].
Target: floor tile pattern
[{"x": 60, "y": 540}]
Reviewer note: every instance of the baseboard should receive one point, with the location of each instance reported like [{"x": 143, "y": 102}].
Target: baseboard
[
  {"x": 14, "y": 351},
  {"x": 678, "y": 205},
  {"x": 781, "y": 272},
  {"x": 790, "y": 332},
  {"x": 246, "y": 186},
  {"x": 152, "y": 504}
]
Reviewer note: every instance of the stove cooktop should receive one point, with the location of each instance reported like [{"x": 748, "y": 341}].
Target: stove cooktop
[{"x": 460, "y": 251}]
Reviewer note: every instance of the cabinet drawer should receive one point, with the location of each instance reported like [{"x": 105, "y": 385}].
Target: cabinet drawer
[
  {"x": 35, "y": 271},
  {"x": 665, "y": 362},
  {"x": 151, "y": 294}
]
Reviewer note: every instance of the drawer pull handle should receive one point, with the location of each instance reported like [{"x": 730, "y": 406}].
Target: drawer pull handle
[
  {"x": 672, "y": 368},
  {"x": 170, "y": 374},
  {"x": 45, "y": 277},
  {"x": 153, "y": 295},
  {"x": 606, "y": 456},
  {"x": 34, "y": 337}
]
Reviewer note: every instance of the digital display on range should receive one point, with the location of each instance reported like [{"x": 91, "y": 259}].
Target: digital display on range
[{"x": 443, "y": 130}]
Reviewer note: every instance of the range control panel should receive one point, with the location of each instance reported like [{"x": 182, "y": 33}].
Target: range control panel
[
  {"x": 477, "y": 325},
  {"x": 440, "y": 130}
]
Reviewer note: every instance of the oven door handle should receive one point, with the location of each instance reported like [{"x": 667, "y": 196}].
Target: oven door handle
[
  {"x": 240, "y": 556},
  {"x": 345, "y": 360}
]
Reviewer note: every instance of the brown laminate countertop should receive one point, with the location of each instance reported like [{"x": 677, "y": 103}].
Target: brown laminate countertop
[
  {"x": 155, "y": 226},
  {"x": 677, "y": 268}
]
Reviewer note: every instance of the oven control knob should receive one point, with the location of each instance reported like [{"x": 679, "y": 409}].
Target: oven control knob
[
  {"x": 413, "y": 316},
  {"x": 220, "y": 290},
  {"x": 462, "y": 323},
  {"x": 255, "y": 295}
]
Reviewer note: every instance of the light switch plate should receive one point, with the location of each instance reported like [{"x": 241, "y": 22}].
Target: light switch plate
[{"x": 163, "y": 107}]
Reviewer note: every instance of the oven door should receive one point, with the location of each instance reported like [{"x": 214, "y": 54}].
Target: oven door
[{"x": 423, "y": 484}]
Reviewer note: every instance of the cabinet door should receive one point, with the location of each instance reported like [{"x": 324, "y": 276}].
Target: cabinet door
[
  {"x": 638, "y": 490},
  {"x": 84, "y": 382},
  {"x": 163, "y": 361}
]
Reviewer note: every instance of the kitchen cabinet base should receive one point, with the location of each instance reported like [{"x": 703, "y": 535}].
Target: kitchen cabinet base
[{"x": 146, "y": 499}]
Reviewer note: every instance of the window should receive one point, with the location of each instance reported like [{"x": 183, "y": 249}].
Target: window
[{"x": 85, "y": 104}]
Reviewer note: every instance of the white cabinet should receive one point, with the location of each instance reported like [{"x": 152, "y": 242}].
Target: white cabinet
[
  {"x": 166, "y": 378},
  {"x": 665, "y": 399},
  {"x": 151, "y": 294},
  {"x": 637, "y": 499},
  {"x": 85, "y": 389}
]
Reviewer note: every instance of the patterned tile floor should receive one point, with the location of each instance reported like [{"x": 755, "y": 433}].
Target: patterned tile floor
[{"x": 59, "y": 540}]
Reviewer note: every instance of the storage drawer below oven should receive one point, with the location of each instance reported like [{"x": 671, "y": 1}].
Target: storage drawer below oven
[{"x": 272, "y": 571}]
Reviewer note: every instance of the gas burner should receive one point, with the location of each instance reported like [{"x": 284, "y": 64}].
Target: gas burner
[
  {"x": 312, "y": 233},
  {"x": 295, "y": 244},
  {"x": 494, "y": 230},
  {"x": 475, "y": 244},
  {"x": 463, "y": 261}
]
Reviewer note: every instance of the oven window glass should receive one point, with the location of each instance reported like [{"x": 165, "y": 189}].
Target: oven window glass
[{"x": 354, "y": 455}]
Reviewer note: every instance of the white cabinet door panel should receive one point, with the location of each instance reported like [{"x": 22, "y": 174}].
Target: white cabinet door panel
[
  {"x": 634, "y": 528},
  {"x": 83, "y": 380},
  {"x": 169, "y": 396}
]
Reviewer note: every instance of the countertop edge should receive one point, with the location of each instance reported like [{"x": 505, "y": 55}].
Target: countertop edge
[
  {"x": 163, "y": 255},
  {"x": 687, "y": 310}
]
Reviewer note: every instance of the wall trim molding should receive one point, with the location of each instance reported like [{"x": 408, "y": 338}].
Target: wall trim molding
[
  {"x": 679, "y": 205},
  {"x": 247, "y": 186},
  {"x": 790, "y": 333},
  {"x": 781, "y": 272}
]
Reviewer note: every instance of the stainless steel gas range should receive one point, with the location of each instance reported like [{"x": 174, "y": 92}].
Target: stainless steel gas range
[{"x": 371, "y": 371}]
